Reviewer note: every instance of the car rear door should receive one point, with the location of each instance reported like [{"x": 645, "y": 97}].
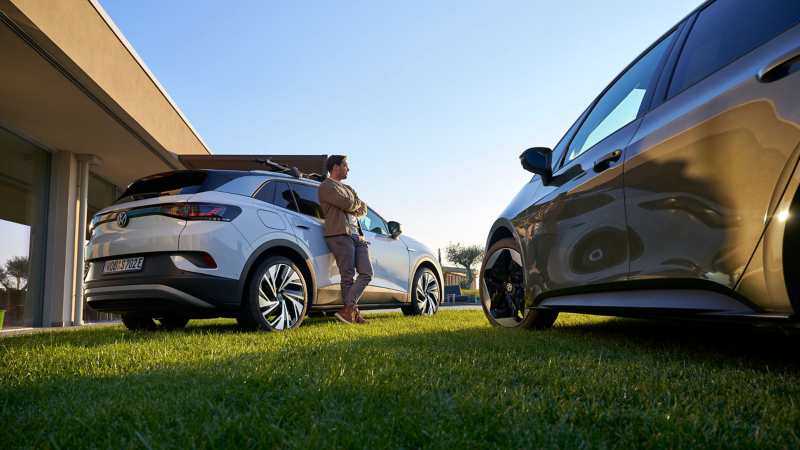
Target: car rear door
[
  {"x": 709, "y": 160},
  {"x": 576, "y": 227}
]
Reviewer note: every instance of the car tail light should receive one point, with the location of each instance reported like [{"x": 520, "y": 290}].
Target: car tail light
[
  {"x": 185, "y": 211},
  {"x": 199, "y": 211},
  {"x": 209, "y": 261}
]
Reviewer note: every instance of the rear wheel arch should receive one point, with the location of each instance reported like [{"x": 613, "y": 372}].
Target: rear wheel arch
[{"x": 287, "y": 249}]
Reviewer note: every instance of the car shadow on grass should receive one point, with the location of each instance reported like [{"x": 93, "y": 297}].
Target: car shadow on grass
[{"x": 756, "y": 347}]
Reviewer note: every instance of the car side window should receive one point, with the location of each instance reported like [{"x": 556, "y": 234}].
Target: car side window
[
  {"x": 558, "y": 150},
  {"x": 266, "y": 193},
  {"x": 307, "y": 200},
  {"x": 284, "y": 197},
  {"x": 726, "y": 30},
  {"x": 620, "y": 104},
  {"x": 372, "y": 222}
]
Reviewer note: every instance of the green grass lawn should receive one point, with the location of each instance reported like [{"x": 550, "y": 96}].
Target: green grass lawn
[{"x": 447, "y": 381}]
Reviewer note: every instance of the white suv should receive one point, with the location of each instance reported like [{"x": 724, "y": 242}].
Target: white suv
[{"x": 209, "y": 243}]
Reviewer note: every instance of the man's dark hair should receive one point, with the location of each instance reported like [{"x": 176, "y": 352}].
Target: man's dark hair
[{"x": 334, "y": 160}]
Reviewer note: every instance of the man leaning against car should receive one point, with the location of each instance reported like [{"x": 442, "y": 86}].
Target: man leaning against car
[{"x": 344, "y": 236}]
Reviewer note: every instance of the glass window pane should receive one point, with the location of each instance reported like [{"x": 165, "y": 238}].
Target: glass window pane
[
  {"x": 726, "y": 30},
  {"x": 284, "y": 197},
  {"x": 266, "y": 193},
  {"x": 307, "y": 200},
  {"x": 558, "y": 150},
  {"x": 245, "y": 185},
  {"x": 24, "y": 171},
  {"x": 620, "y": 104},
  {"x": 372, "y": 222}
]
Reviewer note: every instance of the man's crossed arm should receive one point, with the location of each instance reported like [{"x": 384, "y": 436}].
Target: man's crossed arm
[{"x": 352, "y": 205}]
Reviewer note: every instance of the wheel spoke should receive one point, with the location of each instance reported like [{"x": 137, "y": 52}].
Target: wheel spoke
[
  {"x": 269, "y": 277},
  {"x": 267, "y": 309},
  {"x": 298, "y": 307},
  {"x": 289, "y": 277}
]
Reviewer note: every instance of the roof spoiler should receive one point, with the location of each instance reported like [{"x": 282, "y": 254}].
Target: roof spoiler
[{"x": 293, "y": 171}]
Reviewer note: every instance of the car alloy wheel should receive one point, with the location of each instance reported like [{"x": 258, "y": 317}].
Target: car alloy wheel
[
  {"x": 277, "y": 296},
  {"x": 503, "y": 289},
  {"x": 281, "y": 298},
  {"x": 426, "y": 293}
]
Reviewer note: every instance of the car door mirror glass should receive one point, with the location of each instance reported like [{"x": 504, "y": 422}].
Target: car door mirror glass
[
  {"x": 537, "y": 160},
  {"x": 395, "y": 229}
]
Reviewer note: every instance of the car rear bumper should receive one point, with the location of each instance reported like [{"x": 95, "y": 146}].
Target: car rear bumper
[{"x": 159, "y": 288}]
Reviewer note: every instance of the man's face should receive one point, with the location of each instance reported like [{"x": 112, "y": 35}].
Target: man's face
[{"x": 342, "y": 169}]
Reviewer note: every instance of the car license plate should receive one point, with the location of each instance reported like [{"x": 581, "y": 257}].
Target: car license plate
[{"x": 123, "y": 265}]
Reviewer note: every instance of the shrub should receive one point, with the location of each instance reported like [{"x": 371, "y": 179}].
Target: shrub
[{"x": 471, "y": 293}]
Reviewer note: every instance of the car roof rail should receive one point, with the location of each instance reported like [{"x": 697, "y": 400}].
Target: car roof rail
[{"x": 284, "y": 168}]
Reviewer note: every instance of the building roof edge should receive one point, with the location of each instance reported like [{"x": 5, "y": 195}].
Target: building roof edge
[{"x": 113, "y": 27}]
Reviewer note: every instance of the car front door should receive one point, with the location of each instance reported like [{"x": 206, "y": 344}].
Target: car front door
[
  {"x": 576, "y": 228},
  {"x": 390, "y": 262},
  {"x": 707, "y": 162}
]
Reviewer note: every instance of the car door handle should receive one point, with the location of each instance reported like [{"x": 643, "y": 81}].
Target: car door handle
[
  {"x": 780, "y": 67},
  {"x": 303, "y": 227},
  {"x": 605, "y": 162}
]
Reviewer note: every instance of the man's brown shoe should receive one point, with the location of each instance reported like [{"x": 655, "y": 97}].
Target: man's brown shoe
[
  {"x": 358, "y": 319},
  {"x": 345, "y": 314}
]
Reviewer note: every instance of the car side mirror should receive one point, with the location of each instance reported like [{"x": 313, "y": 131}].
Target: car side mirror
[
  {"x": 395, "y": 229},
  {"x": 537, "y": 160}
]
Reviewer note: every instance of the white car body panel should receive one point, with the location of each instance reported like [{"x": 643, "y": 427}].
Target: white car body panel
[
  {"x": 222, "y": 241},
  {"x": 142, "y": 235}
]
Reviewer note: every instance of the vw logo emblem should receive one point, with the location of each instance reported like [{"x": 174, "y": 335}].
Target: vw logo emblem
[{"x": 122, "y": 219}]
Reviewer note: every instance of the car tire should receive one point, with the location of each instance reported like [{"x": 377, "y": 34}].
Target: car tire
[
  {"x": 172, "y": 323},
  {"x": 502, "y": 289},
  {"x": 425, "y": 293},
  {"x": 407, "y": 310},
  {"x": 138, "y": 323},
  {"x": 275, "y": 296}
]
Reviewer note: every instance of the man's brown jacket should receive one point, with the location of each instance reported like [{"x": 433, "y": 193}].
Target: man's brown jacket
[{"x": 335, "y": 200}]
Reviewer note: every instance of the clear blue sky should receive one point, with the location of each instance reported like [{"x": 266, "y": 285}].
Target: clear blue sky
[{"x": 432, "y": 101}]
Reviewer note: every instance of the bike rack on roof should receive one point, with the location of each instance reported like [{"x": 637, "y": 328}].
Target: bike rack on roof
[{"x": 293, "y": 171}]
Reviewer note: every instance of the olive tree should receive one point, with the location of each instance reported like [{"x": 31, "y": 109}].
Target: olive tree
[{"x": 465, "y": 256}]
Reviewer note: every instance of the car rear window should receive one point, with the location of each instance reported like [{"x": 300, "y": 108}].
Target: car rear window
[{"x": 173, "y": 183}]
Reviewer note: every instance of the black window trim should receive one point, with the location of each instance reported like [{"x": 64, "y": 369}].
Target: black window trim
[
  {"x": 686, "y": 38},
  {"x": 556, "y": 165},
  {"x": 662, "y": 88},
  {"x": 290, "y": 183},
  {"x": 656, "y": 74},
  {"x": 272, "y": 203},
  {"x": 259, "y": 188}
]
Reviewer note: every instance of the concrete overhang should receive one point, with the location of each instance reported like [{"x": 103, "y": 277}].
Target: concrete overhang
[{"x": 69, "y": 81}]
